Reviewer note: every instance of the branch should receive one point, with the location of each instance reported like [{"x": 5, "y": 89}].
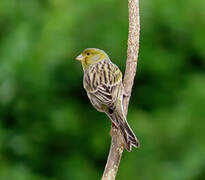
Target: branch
[{"x": 117, "y": 147}]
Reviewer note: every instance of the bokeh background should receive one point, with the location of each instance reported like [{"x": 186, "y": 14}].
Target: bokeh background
[{"x": 49, "y": 130}]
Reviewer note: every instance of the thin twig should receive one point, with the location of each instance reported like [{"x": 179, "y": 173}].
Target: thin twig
[{"x": 116, "y": 148}]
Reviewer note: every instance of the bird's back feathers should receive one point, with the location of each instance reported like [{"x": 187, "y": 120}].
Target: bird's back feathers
[{"x": 103, "y": 83}]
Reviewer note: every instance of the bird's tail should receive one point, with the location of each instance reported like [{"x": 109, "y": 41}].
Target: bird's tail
[{"x": 127, "y": 133}]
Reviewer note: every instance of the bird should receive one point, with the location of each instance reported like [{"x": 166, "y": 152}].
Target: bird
[{"x": 103, "y": 83}]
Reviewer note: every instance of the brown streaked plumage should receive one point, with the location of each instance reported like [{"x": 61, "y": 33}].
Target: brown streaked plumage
[{"x": 103, "y": 84}]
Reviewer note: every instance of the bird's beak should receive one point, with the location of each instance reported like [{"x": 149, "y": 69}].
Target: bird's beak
[{"x": 79, "y": 58}]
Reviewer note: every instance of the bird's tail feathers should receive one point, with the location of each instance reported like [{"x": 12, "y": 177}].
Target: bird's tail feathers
[{"x": 128, "y": 136}]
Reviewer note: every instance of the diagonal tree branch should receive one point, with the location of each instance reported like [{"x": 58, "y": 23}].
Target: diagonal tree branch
[
  {"x": 116, "y": 148},
  {"x": 132, "y": 50}
]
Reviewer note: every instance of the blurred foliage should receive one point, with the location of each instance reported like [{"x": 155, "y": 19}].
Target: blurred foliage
[{"x": 49, "y": 130}]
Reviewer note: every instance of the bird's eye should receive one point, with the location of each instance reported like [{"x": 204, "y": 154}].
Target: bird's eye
[{"x": 88, "y": 54}]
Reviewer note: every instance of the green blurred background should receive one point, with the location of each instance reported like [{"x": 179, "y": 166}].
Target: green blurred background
[{"x": 49, "y": 130}]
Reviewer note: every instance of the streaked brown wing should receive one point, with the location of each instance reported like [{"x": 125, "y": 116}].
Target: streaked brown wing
[{"x": 103, "y": 84}]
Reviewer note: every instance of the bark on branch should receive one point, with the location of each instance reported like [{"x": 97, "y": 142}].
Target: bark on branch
[{"x": 116, "y": 148}]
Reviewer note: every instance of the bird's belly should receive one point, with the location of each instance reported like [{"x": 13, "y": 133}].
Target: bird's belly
[{"x": 95, "y": 102}]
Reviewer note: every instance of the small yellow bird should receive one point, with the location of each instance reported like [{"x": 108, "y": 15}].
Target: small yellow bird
[{"x": 103, "y": 84}]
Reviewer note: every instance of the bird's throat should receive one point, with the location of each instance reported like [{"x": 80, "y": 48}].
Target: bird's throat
[{"x": 85, "y": 64}]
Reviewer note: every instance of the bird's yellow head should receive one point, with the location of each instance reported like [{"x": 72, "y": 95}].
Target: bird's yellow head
[{"x": 91, "y": 56}]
